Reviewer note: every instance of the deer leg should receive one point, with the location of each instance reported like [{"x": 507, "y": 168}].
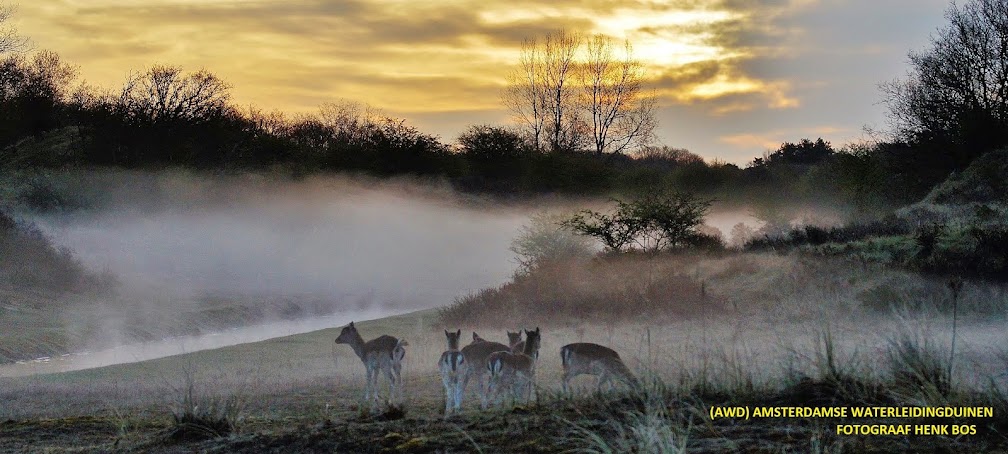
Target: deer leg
[
  {"x": 367, "y": 385},
  {"x": 375, "y": 397},
  {"x": 397, "y": 367},
  {"x": 390, "y": 374},
  {"x": 458, "y": 394},
  {"x": 483, "y": 390},
  {"x": 449, "y": 392}
]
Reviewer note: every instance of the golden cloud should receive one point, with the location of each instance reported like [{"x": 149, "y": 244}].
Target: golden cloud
[{"x": 403, "y": 55}]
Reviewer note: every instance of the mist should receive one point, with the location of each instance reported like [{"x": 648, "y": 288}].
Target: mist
[{"x": 197, "y": 253}]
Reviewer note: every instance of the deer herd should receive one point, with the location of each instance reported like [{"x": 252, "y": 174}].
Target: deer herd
[{"x": 497, "y": 369}]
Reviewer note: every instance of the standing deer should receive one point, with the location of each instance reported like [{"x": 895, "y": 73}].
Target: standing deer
[
  {"x": 451, "y": 366},
  {"x": 515, "y": 371},
  {"x": 594, "y": 359},
  {"x": 476, "y": 355},
  {"x": 515, "y": 341},
  {"x": 383, "y": 353}
]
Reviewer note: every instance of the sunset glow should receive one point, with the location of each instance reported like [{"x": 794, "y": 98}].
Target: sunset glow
[{"x": 442, "y": 65}]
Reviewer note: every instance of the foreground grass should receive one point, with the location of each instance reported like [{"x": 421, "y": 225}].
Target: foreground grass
[
  {"x": 790, "y": 332},
  {"x": 655, "y": 419}
]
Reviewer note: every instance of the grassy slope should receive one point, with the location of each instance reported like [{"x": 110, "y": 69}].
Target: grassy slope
[{"x": 296, "y": 399}]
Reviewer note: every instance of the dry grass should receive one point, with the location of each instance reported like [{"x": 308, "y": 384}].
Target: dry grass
[{"x": 787, "y": 331}]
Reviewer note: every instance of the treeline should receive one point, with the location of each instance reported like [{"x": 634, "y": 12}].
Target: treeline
[{"x": 164, "y": 116}]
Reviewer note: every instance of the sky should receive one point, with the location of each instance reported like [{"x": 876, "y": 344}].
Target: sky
[{"x": 734, "y": 78}]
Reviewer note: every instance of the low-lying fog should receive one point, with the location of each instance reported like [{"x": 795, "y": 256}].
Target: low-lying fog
[
  {"x": 347, "y": 245},
  {"x": 196, "y": 254},
  {"x": 343, "y": 238}
]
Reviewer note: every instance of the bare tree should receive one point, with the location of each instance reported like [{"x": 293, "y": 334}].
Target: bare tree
[
  {"x": 558, "y": 52},
  {"x": 350, "y": 120},
  {"x": 166, "y": 94},
  {"x": 10, "y": 41},
  {"x": 525, "y": 94},
  {"x": 958, "y": 89},
  {"x": 541, "y": 91},
  {"x": 613, "y": 98},
  {"x": 567, "y": 102}
]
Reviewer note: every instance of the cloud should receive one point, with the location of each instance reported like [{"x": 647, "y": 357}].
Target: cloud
[
  {"x": 742, "y": 62},
  {"x": 771, "y": 140}
]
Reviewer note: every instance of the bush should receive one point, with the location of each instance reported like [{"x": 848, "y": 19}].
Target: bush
[
  {"x": 545, "y": 239},
  {"x": 655, "y": 222}
]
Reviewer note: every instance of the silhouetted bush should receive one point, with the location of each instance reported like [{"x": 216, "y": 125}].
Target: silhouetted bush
[{"x": 654, "y": 222}]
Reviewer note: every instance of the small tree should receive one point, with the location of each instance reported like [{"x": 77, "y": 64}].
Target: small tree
[{"x": 660, "y": 221}]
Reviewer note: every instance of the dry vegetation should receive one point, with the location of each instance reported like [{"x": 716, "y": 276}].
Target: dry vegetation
[{"x": 781, "y": 330}]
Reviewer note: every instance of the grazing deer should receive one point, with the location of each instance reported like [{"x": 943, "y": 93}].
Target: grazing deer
[
  {"x": 515, "y": 342},
  {"x": 516, "y": 371},
  {"x": 476, "y": 355},
  {"x": 383, "y": 353},
  {"x": 594, "y": 359},
  {"x": 451, "y": 366}
]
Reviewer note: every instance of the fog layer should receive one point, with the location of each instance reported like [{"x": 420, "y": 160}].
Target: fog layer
[{"x": 356, "y": 241}]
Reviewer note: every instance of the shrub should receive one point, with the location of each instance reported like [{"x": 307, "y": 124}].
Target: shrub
[
  {"x": 655, "y": 222},
  {"x": 546, "y": 239}
]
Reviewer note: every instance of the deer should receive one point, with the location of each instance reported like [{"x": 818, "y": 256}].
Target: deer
[
  {"x": 515, "y": 370},
  {"x": 381, "y": 354},
  {"x": 515, "y": 341},
  {"x": 452, "y": 364},
  {"x": 594, "y": 359},
  {"x": 476, "y": 354}
]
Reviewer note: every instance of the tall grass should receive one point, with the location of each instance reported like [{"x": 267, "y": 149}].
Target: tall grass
[
  {"x": 198, "y": 415},
  {"x": 635, "y": 419}
]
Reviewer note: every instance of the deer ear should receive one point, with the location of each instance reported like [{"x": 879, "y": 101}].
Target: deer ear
[
  {"x": 475, "y": 336},
  {"x": 459, "y": 332},
  {"x": 351, "y": 324},
  {"x": 445, "y": 332}
]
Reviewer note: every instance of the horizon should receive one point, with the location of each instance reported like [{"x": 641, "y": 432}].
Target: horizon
[{"x": 734, "y": 79}]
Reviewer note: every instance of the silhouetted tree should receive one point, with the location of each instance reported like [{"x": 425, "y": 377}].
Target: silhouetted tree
[
  {"x": 541, "y": 91},
  {"x": 956, "y": 91},
  {"x": 33, "y": 92},
  {"x": 164, "y": 94},
  {"x": 805, "y": 152},
  {"x": 10, "y": 41},
  {"x": 612, "y": 97},
  {"x": 657, "y": 221}
]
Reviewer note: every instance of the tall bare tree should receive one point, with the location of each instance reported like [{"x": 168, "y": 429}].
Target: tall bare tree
[
  {"x": 570, "y": 92},
  {"x": 525, "y": 95},
  {"x": 541, "y": 91},
  {"x": 613, "y": 98},
  {"x": 559, "y": 50}
]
